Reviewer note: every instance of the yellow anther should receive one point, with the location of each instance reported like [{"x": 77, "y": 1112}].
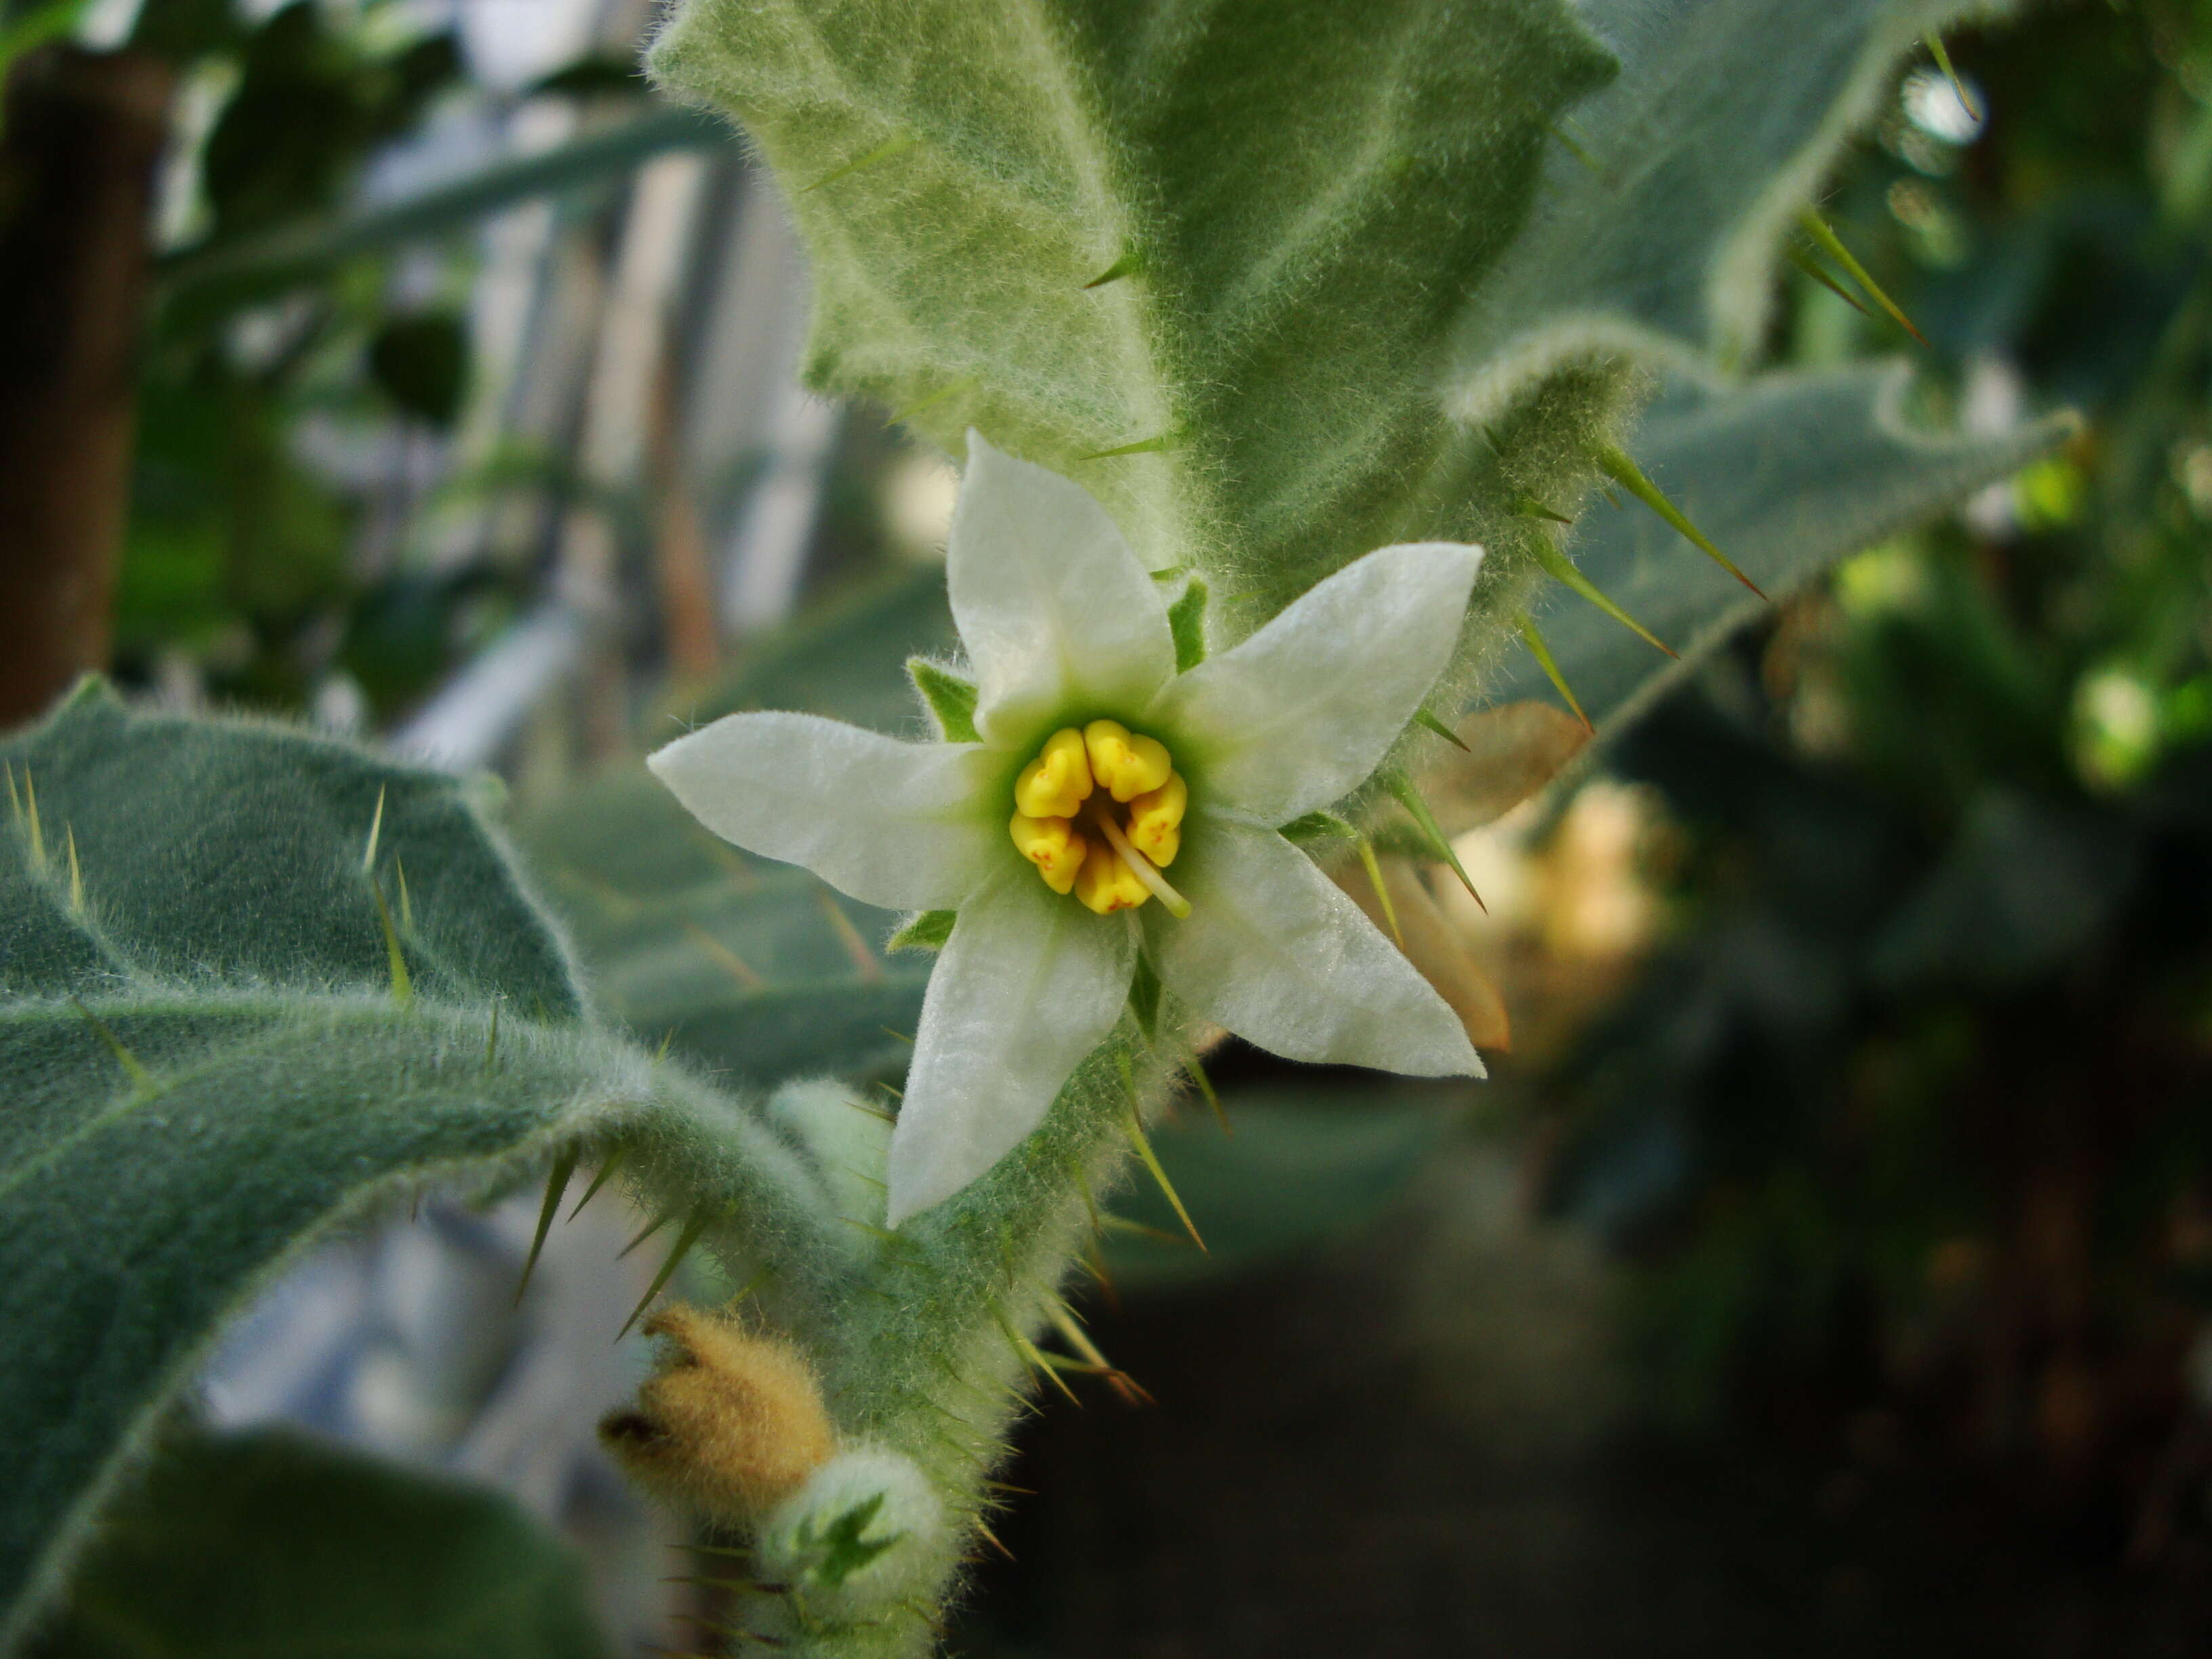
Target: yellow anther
[
  {"x": 1052, "y": 845},
  {"x": 1058, "y": 781},
  {"x": 1126, "y": 764},
  {"x": 1106, "y": 884},
  {"x": 1156, "y": 820}
]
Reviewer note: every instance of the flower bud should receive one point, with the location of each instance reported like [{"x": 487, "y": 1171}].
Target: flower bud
[
  {"x": 730, "y": 1423},
  {"x": 866, "y": 1530}
]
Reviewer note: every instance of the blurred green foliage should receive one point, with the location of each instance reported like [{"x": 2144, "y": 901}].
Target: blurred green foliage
[
  {"x": 1912, "y": 1112},
  {"x": 302, "y": 345},
  {"x": 270, "y": 1542},
  {"x": 237, "y": 560}
]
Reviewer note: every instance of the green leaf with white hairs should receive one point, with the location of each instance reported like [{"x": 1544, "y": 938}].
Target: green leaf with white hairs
[
  {"x": 206, "y": 1065},
  {"x": 1787, "y": 475},
  {"x": 1201, "y": 259},
  {"x": 1657, "y": 236},
  {"x": 1281, "y": 283}
]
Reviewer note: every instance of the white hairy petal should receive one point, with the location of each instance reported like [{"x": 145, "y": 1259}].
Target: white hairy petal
[
  {"x": 908, "y": 826},
  {"x": 1274, "y": 949},
  {"x": 1029, "y": 983},
  {"x": 1055, "y": 611},
  {"x": 1301, "y": 712}
]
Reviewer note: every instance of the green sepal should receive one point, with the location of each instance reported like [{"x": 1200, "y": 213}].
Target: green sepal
[
  {"x": 1186, "y": 622},
  {"x": 1145, "y": 996},
  {"x": 1317, "y": 826},
  {"x": 844, "y": 1546},
  {"x": 925, "y": 929},
  {"x": 951, "y": 699}
]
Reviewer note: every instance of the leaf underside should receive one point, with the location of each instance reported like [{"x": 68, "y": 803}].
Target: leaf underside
[
  {"x": 1283, "y": 283},
  {"x": 1659, "y": 238},
  {"x": 1788, "y": 475},
  {"x": 1299, "y": 196}
]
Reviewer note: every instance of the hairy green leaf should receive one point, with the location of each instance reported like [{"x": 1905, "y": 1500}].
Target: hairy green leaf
[
  {"x": 1281, "y": 282},
  {"x": 1787, "y": 475},
  {"x": 273, "y": 1543},
  {"x": 208, "y": 1062},
  {"x": 1201, "y": 258},
  {"x": 1657, "y": 232}
]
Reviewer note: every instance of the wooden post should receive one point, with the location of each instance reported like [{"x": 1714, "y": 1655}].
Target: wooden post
[{"x": 84, "y": 132}]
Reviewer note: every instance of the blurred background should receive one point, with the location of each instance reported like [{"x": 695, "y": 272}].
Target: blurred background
[{"x": 1827, "y": 1266}]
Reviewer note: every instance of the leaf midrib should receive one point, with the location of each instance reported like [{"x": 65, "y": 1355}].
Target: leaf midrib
[{"x": 280, "y": 1017}]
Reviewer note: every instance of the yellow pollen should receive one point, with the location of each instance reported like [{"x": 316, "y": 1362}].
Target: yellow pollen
[
  {"x": 1058, "y": 781},
  {"x": 1107, "y": 885},
  {"x": 1156, "y": 820},
  {"x": 1052, "y": 845},
  {"x": 1124, "y": 764},
  {"x": 1117, "y": 867}
]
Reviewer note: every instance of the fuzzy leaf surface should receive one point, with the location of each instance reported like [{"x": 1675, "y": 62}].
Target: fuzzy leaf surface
[
  {"x": 1292, "y": 202},
  {"x": 1658, "y": 240},
  {"x": 191, "y": 895},
  {"x": 1787, "y": 475}
]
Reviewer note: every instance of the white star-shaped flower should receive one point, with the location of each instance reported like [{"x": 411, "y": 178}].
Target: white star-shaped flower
[{"x": 1105, "y": 779}]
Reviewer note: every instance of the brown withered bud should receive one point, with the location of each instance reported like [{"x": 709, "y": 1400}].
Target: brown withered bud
[
  {"x": 730, "y": 1423},
  {"x": 1513, "y": 749},
  {"x": 1434, "y": 944}
]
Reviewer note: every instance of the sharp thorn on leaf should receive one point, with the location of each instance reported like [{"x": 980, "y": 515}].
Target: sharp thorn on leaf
[
  {"x": 1432, "y": 833},
  {"x": 1542, "y": 653},
  {"x": 1558, "y": 566},
  {"x": 1830, "y": 244},
  {"x": 128, "y": 1061},
  {"x": 1374, "y": 869},
  {"x": 934, "y": 398},
  {"x": 403, "y": 985},
  {"x": 1129, "y": 265},
  {"x": 1428, "y": 721},
  {"x": 1151, "y": 1163},
  {"x": 651, "y": 1228},
  {"x": 375, "y": 831},
  {"x": 1806, "y": 263},
  {"x": 608, "y": 1165},
  {"x": 1206, "y": 1088},
  {"x": 1621, "y": 468},
  {"x": 684, "y": 1240},
  {"x": 1942, "y": 57},
  {"x": 882, "y": 152},
  {"x": 557, "y": 1184}
]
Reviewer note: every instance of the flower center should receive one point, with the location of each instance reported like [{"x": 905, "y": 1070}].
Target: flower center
[{"x": 1109, "y": 854}]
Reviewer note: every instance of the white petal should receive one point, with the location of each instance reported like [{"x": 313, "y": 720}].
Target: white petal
[
  {"x": 1301, "y": 712},
  {"x": 1275, "y": 952},
  {"x": 1029, "y": 983},
  {"x": 1058, "y": 616},
  {"x": 909, "y": 826}
]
